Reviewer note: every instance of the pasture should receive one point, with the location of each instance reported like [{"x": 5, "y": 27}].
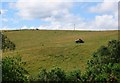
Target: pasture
[{"x": 56, "y": 48}]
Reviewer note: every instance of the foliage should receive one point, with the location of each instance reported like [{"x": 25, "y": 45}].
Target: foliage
[
  {"x": 55, "y": 75},
  {"x": 13, "y": 70},
  {"x": 6, "y": 44},
  {"x": 105, "y": 64},
  {"x": 74, "y": 76}
]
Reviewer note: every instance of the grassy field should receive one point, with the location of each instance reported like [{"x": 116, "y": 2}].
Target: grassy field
[{"x": 48, "y": 49}]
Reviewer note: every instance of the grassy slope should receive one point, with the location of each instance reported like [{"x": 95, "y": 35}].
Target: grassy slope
[{"x": 48, "y": 49}]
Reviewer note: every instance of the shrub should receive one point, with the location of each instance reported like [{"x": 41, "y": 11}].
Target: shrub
[
  {"x": 6, "y": 44},
  {"x": 74, "y": 76},
  {"x": 55, "y": 75},
  {"x": 104, "y": 65},
  {"x": 13, "y": 70}
]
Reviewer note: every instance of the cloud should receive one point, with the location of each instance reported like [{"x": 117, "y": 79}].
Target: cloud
[
  {"x": 104, "y": 7},
  {"x": 51, "y": 10},
  {"x": 108, "y": 18},
  {"x": 34, "y": 9},
  {"x": 104, "y": 22},
  {"x": 58, "y": 14},
  {"x": 25, "y": 27}
]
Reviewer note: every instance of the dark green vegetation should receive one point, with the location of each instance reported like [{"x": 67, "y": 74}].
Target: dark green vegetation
[
  {"x": 6, "y": 44},
  {"x": 103, "y": 67},
  {"x": 13, "y": 71}
]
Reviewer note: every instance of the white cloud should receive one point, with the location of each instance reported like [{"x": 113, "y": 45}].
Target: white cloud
[
  {"x": 104, "y": 22},
  {"x": 56, "y": 12},
  {"x": 104, "y": 7},
  {"x": 59, "y": 16},
  {"x": 108, "y": 19},
  {"x": 34, "y": 9},
  {"x": 24, "y": 27}
]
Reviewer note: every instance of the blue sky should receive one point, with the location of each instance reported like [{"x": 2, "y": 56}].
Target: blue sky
[{"x": 59, "y": 15}]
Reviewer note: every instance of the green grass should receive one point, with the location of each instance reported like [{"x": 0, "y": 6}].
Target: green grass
[{"x": 48, "y": 49}]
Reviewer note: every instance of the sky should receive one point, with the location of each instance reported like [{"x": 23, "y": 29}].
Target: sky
[{"x": 59, "y": 14}]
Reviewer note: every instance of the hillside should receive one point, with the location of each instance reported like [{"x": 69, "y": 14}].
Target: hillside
[{"x": 48, "y": 49}]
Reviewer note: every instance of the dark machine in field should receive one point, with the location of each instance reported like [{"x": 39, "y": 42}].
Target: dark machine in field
[{"x": 79, "y": 41}]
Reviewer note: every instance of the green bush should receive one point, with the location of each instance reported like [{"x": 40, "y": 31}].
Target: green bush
[
  {"x": 104, "y": 65},
  {"x": 6, "y": 44},
  {"x": 74, "y": 76},
  {"x": 55, "y": 75},
  {"x": 13, "y": 70}
]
